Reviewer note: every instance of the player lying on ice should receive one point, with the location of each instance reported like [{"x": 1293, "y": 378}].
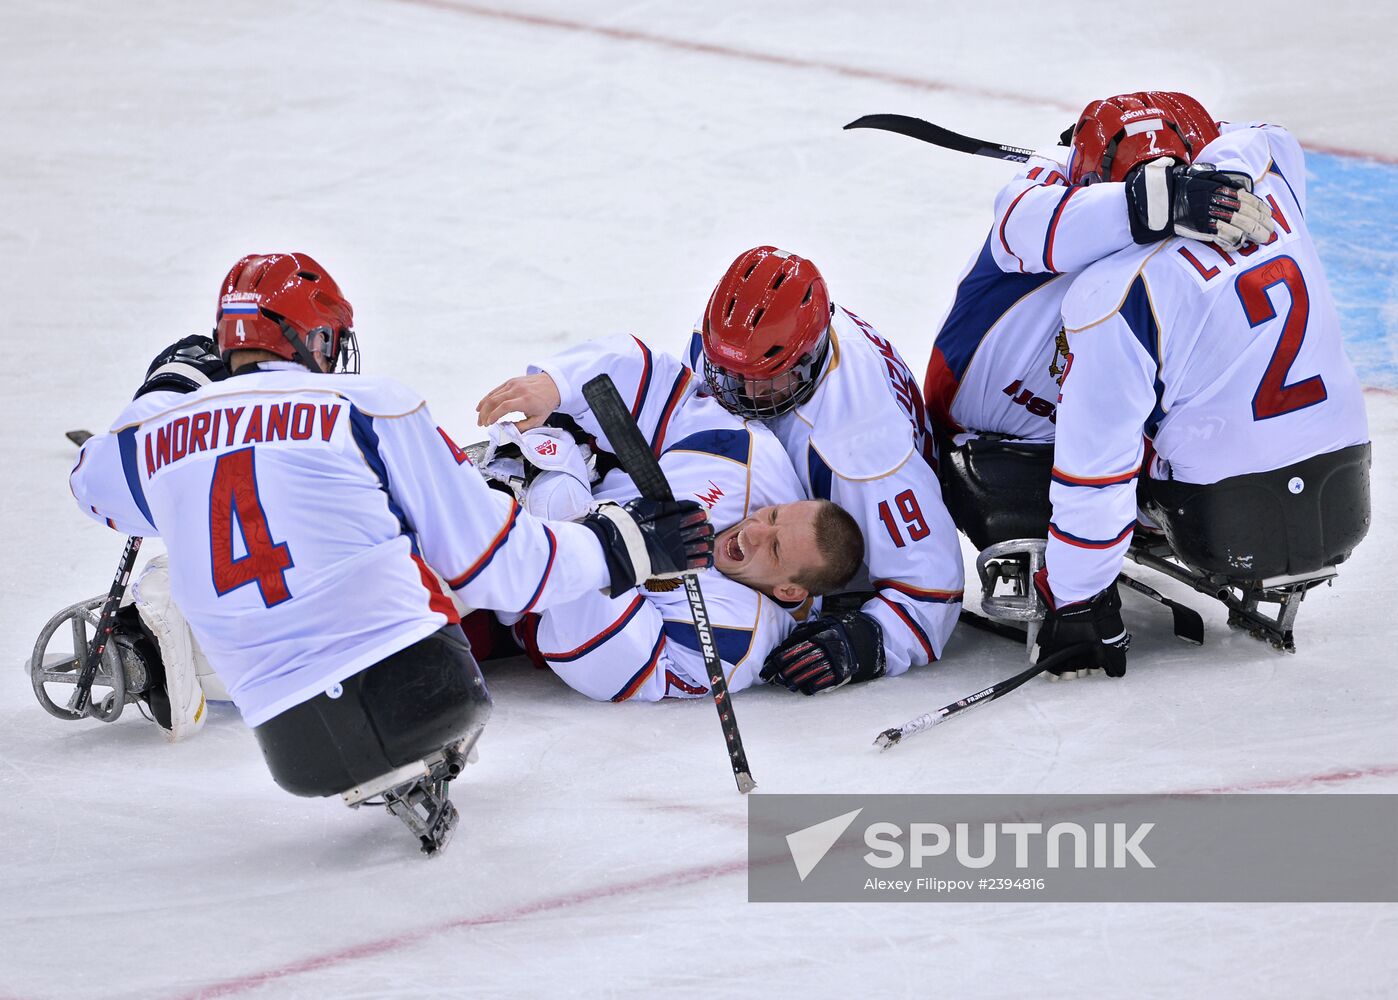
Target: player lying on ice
[
  {"x": 774, "y": 550},
  {"x": 773, "y": 347},
  {"x": 1213, "y": 360},
  {"x": 311, "y": 514}
]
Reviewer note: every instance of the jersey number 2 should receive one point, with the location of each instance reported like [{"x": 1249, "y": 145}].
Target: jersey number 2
[
  {"x": 911, "y": 513},
  {"x": 1273, "y": 396},
  {"x": 235, "y": 505}
]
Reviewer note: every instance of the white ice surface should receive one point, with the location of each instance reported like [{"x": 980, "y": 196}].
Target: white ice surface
[{"x": 488, "y": 187}]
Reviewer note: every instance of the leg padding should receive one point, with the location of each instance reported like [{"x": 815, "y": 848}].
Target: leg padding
[
  {"x": 397, "y": 712},
  {"x": 998, "y": 490},
  {"x": 1290, "y": 521}
]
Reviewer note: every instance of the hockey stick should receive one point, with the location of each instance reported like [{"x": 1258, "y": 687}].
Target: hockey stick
[
  {"x": 106, "y": 622},
  {"x": 991, "y": 625},
  {"x": 1189, "y": 625},
  {"x": 636, "y": 458},
  {"x": 916, "y": 128},
  {"x": 892, "y": 737}
]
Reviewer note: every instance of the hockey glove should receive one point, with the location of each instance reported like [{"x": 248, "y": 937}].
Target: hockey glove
[
  {"x": 1096, "y": 621},
  {"x": 1195, "y": 201},
  {"x": 183, "y": 367},
  {"x": 652, "y": 539},
  {"x": 827, "y": 652}
]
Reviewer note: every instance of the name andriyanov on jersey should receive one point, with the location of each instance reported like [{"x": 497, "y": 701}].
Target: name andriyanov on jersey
[{"x": 235, "y": 426}]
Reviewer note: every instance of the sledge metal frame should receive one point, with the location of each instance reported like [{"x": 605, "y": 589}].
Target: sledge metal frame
[
  {"x": 83, "y": 618},
  {"x": 1242, "y": 598}
]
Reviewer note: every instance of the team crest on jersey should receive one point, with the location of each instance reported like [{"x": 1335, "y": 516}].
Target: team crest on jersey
[
  {"x": 1060, "y": 350},
  {"x": 548, "y": 449}
]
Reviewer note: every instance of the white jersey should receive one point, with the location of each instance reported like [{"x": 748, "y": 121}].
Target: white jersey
[
  {"x": 308, "y": 519},
  {"x": 1231, "y": 363},
  {"x": 863, "y": 441},
  {"x": 995, "y": 357},
  {"x": 643, "y": 645}
]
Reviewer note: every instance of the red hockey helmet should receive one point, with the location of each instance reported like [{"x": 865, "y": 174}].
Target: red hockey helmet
[
  {"x": 1116, "y": 134},
  {"x": 766, "y": 333},
  {"x": 287, "y": 304},
  {"x": 1197, "y": 124}
]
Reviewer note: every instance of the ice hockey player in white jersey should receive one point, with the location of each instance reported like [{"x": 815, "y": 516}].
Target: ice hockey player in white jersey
[
  {"x": 314, "y": 522},
  {"x": 773, "y": 346},
  {"x": 1217, "y": 377},
  {"x": 774, "y": 549},
  {"x": 991, "y": 384}
]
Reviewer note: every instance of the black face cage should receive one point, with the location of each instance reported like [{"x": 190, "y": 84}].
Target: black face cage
[
  {"x": 765, "y": 398},
  {"x": 347, "y": 357},
  {"x": 344, "y": 359}
]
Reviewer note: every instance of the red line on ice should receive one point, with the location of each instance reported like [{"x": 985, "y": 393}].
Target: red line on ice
[
  {"x": 368, "y": 949},
  {"x": 710, "y": 48},
  {"x": 772, "y": 59},
  {"x": 664, "y": 880},
  {"x": 1277, "y": 784}
]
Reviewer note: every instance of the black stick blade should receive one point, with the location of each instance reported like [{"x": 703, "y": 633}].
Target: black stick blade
[
  {"x": 77, "y": 437},
  {"x": 1189, "y": 624},
  {"x": 925, "y": 131}
]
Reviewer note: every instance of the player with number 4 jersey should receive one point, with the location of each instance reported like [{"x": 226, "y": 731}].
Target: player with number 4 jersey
[{"x": 318, "y": 522}]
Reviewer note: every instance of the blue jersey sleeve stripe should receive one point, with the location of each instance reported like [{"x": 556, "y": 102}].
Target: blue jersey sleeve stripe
[
  {"x": 548, "y": 568},
  {"x": 362, "y": 428},
  {"x": 1053, "y": 227},
  {"x": 922, "y": 594},
  {"x": 590, "y": 645},
  {"x": 126, "y": 442},
  {"x": 1139, "y": 316},
  {"x": 821, "y": 476},
  {"x": 1091, "y": 543},
  {"x": 1272, "y": 169},
  {"x": 630, "y": 688},
  {"x": 485, "y": 557},
  {"x": 643, "y": 389},
  {"x": 913, "y": 627},
  {"x": 1093, "y": 482},
  {"x": 657, "y": 441},
  {"x": 696, "y": 351}
]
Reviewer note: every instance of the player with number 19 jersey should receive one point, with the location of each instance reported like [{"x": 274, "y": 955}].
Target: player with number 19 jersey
[
  {"x": 286, "y": 595},
  {"x": 863, "y": 441},
  {"x": 1231, "y": 362}
]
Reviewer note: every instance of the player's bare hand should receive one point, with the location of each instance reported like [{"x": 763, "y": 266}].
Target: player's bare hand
[{"x": 536, "y": 396}]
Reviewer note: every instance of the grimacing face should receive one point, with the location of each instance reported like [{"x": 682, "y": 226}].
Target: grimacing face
[{"x": 770, "y": 548}]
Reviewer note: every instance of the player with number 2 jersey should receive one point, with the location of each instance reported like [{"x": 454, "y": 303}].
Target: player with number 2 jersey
[{"x": 1230, "y": 362}]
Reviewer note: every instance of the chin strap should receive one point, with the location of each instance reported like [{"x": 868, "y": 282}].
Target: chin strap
[{"x": 304, "y": 354}]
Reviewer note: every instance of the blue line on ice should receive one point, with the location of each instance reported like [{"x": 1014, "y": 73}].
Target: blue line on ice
[{"x": 1354, "y": 219}]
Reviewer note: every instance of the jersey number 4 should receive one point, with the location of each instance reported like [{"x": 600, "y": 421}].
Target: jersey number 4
[
  {"x": 1273, "y": 396},
  {"x": 235, "y": 506}
]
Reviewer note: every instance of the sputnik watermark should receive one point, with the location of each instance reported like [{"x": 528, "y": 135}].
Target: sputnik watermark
[
  {"x": 1073, "y": 848},
  {"x": 1111, "y": 845}
]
